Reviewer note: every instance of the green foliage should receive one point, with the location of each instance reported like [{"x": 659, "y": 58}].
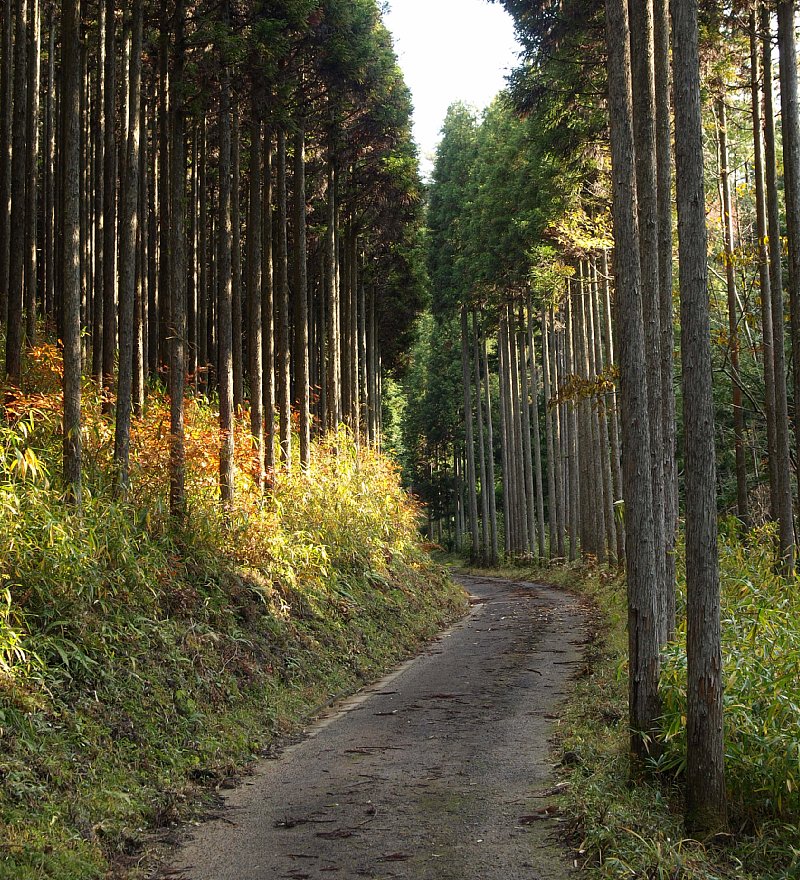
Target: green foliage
[
  {"x": 624, "y": 830},
  {"x": 761, "y": 658},
  {"x": 138, "y": 663}
]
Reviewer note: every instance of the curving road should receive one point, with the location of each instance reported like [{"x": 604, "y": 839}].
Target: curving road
[{"x": 435, "y": 773}]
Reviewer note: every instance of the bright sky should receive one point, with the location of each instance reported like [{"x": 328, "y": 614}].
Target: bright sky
[{"x": 450, "y": 50}]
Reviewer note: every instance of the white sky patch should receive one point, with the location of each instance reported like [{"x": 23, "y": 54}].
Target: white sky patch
[{"x": 450, "y": 50}]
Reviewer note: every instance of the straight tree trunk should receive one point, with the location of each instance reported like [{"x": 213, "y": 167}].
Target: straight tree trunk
[
  {"x": 236, "y": 258},
  {"x": 225, "y": 301},
  {"x": 301, "y": 330},
  {"x": 611, "y": 402},
  {"x": 505, "y": 439},
  {"x": 783, "y": 465},
  {"x": 31, "y": 170},
  {"x": 763, "y": 266},
  {"x": 525, "y": 430},
  {"x": 177, "y": 274},
  {"x": 332, "y": 307},
  {"x": 255, "y": 367},
  {"x": 97, "y": 320},
  {"x": 476, "y": 364},
  {"x": 642, "y": 571},
  {"x": 475, "y": 550},
  {"x": 790, "y": 127},
  {"x": 572, "y": 434},
  {"x": 705, "y": 777},
  {"x": 663, "y": 94},
  {"x": 109, "y": 209},
  {"x": 49, "y": 184},
  {"x": 495, "y": 553},
  {"x": 742, "y": 506},
  {"x": 268, "y": 312},
  {"x": 537, "y": 441},
  {"x": 71, "y": 296},
  {"x": 645, "y": 156},
  {"x": 16, "y": 279},
  {"x": 552, "y": 504},
  {"x": 129, "y": 227},
  {"x": 6, "y": 105},
  {"x": 282, "y": 314}
]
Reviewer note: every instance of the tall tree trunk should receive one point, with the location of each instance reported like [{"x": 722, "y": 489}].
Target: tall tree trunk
[
  {"x": 476, "y": 365},
  {"x": 49, "y": 183},
  {"x": 225, "y": 300},
  {"x": 70, "y": 74},
  {"x": 663, "y": 94},
  {"x": 643, "y": 631},
  {"x": 605, "y": 460},
  {"x": 109, "y": 209},
  {"x": 705, "y": 778},
  {"x": 164, "y": 306},
  {"x": 495, "y": 555},
  {"x": 521, "y": 358},
  {"x": 475, "y": 551},
  {"x": 236, "y": 265},
  {"x": 31, "y": 170},
  {"x": 6, "y": 92},
  {"x": 302, "y": 365},
  {"x": 99, "y": 135},
  {"x": 129, "y": 227},
  {"x": 537, "y": 441},
  {"x": 16, "y": 279},
  {"x": 177, "y": 275},
  {"x": 611, "y": 402},
  {"x": 334, "y": 393},
  {"x": 268, "y": 311},
  {"x": 645, "y": 143},
  {"x": 509, "y": 545},
  {"x": 282, "y": 314},
  {"x": 552, "y": 504},
  {"x": 790, "y": 127},
  {"x": 571, "y": 410},
  {"x": 783, "y": 466},
  {"x": 742, "y": 506},
  {"x": 255, "y": 366}
]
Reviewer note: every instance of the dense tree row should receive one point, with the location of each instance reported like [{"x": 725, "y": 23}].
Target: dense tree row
[
  {"x": 223, "y": 197},
  {"x": 553, "y": 259}
]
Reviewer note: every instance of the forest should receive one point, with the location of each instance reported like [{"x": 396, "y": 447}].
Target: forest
[{"x": 273, "y": 405}]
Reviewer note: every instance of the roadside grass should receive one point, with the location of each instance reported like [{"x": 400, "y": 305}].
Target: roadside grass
[
  {"x": 143, "y": 666},
  {"x": 619, "y": 828}
]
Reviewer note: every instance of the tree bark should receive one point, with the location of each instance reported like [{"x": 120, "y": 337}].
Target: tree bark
[
  {"x": 255, "y": 367},
  {"x": 6, "y": 92},
  {"x": 645, "y": 157},
  {"x": 70, "y": 32},
  {"x": 236, "y": 265},
  {"x": 782, "y": 440},
  {"x": 475, "y": 550},
  {"x": 225, "y": 301},
  {"x": 267, "y": 312},
  {"x": 302, "y": 366},
  {"x": 282, "y": 314},
  {"x": 790, "y": 127},
  {"x": 129, "y": 227},
  {"x": 109, "y": 210},
  {"x": 642, "y": 573},
  {"x": 742, "y": 506},
  {"x": 705, "y": 779},
  {"x": 16, "y": 275},
  {"x": 476, "y": 365},
  {"x": 177, "y": 275},
  {"x": 31, "y": 170}
]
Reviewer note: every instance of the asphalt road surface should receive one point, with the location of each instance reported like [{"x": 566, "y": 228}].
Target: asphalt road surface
[{"x": 441, "y": 771}]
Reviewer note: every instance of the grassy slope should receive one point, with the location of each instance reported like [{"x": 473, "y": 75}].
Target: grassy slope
[
  {"x": 140, "y": 666},
  {"x": 624, "y": 830}
]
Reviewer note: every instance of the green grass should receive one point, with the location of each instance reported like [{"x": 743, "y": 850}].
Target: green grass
[
  {"x": 624, "y": 829},
  {"x": 141, "y": 665}
]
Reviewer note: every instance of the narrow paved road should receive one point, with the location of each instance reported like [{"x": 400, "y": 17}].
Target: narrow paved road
[{"x": 435, "y": 773}]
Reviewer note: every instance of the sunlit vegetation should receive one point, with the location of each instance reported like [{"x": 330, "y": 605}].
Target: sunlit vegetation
[{"x": 140, "y": 661}]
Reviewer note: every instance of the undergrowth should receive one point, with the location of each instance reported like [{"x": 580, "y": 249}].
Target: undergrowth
[
  {"x": 141, "y": 665},
  {"x": 622, "y": 829}
]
